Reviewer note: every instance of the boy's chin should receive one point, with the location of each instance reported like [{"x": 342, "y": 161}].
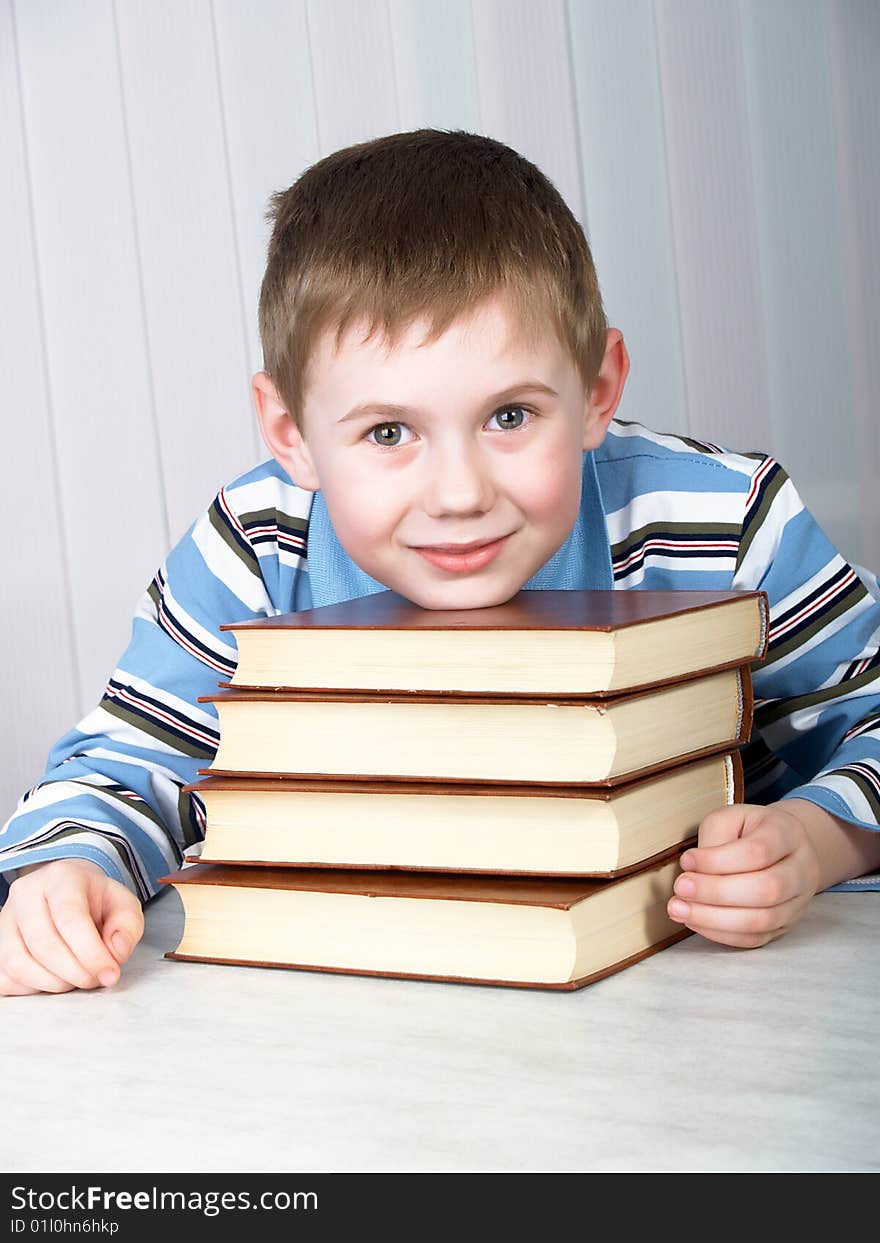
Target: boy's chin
[{"x": 458, "y": 595}]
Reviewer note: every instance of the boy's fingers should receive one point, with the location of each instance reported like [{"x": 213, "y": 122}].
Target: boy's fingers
[
  {"x": 768, "y": 887},
  {"x": 737, "y": 940},
  {"x": 122, "y": 924},
  {"x": 9, "y": 988},
  {"x": 121, "y": 936},
  {"x": 62, "y": 938},
  {"x": 751, "y": 852},
  {"x": 26, "y": 973},
  {"x": 724, "y": 825},
  {"x": 718, "y": 922},
  {"x": 81, "y": 922}
]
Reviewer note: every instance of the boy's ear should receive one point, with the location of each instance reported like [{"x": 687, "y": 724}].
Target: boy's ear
[
  {"x": 283, "y": 438},
  {"x": 607, "y": 390}
]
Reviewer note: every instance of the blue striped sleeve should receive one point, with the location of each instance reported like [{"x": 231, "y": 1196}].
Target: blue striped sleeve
[
  {"x": 112, "y": 790},
  {"x": 817, "y": 692}
]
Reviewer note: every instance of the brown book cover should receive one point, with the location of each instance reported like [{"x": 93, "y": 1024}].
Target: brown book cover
[
  {"x": 544, "y": 634},
  {"x": 528, "y": 610},
  {"x": 631, "y": 927},
  {"x": 559, "y": 892}
]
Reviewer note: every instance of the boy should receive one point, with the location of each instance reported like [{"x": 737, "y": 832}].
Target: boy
[{"x": 439, "y": 400}]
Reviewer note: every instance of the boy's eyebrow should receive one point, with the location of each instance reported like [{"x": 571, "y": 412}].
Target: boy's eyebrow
[{"x": 391, "y": 411}]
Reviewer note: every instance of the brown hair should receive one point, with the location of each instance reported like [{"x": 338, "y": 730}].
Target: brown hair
[{"x": 426, "y": 223}]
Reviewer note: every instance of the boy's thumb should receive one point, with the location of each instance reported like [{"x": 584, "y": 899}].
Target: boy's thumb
[
  {"x": 121, "y": 942},
  {"x": 121, "y": 946},
  {"x": 123, "y": 924}
]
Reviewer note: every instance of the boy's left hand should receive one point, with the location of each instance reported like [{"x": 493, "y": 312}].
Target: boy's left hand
[{"x": 750, "y": 878}]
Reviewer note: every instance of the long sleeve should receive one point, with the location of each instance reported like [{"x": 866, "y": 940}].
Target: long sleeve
[
  {"x": 817, "y": 692},
  {"x": 112, "y": 791}
]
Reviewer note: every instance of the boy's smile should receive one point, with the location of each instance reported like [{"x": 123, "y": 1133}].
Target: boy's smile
[
  {"x": 462, "y": 558},
  {"x": 451, "y": 471}
]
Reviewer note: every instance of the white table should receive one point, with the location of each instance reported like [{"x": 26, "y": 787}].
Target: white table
[{"x": 698, "y": 1058}]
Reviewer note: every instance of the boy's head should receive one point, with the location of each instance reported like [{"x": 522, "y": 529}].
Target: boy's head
[{"x": 439, "y": 275}]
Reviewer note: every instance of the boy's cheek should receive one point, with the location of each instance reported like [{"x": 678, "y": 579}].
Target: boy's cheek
[
  {"x": 554, "y": 492},
  {"x": 364, "y": 516},
  {"x": 351, "y": 492},
  {"x": 548, "y": 488}
]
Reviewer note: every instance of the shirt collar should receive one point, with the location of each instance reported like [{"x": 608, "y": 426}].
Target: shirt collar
[{"x": 583, "y": 561}]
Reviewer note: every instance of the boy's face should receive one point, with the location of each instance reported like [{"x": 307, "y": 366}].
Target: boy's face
[{"x": 470, "y": 479}]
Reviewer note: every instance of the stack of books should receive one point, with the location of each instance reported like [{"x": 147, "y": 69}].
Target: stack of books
[{"x": 495, "y": 796}]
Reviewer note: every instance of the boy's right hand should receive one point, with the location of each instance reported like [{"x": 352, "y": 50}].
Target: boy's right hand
[{"x": 65, "y": 925}]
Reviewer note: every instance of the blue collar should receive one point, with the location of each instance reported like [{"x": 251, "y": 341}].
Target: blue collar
[{"x": 582, "y": 562}]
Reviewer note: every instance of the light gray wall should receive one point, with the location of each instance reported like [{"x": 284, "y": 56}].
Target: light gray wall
[{"x": 722, "y": 155}]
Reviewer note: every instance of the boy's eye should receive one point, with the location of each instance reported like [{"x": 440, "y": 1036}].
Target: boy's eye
[
  {"x": 510, "y": 418},
  {"x": 389, "y": 434}
]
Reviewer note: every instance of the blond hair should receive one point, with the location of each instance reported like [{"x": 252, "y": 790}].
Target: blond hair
[{"x": 422, "y": 224}]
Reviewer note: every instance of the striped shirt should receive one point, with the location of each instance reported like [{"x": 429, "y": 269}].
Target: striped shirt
[{"x": 657, "y": 511}]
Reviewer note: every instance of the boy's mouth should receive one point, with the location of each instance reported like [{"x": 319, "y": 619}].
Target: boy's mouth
[{"x": 462, "y": 558}]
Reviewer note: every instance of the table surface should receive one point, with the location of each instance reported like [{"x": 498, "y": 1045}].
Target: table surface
[{"x": 699, "y": 1058}]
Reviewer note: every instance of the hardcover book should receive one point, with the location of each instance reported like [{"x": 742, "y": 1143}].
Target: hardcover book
[
  {"x": 528, "y": 932},
  {"x": 501, "y": 829},
  {"x": 545, "y": 643},
  {"x": 480, "y": 738}
]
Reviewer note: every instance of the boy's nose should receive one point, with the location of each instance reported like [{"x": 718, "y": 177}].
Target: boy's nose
[{"x": 458, "y": 483}]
